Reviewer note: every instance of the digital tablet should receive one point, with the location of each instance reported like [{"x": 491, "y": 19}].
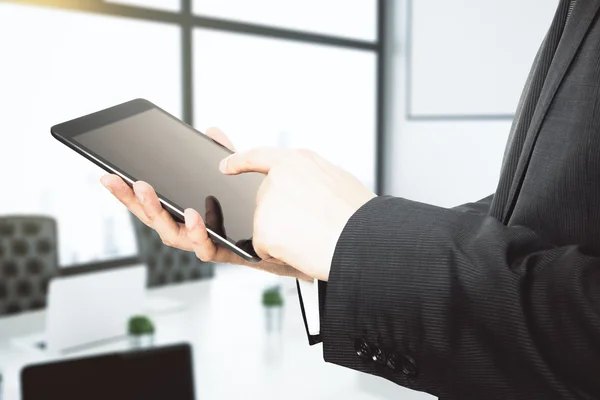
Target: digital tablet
[{"x": 141, "y": 142}]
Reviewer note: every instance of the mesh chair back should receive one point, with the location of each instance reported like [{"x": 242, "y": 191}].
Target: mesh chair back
[
  {"x": 167, "y": 265},
  {"x": 28, "y": 260}
]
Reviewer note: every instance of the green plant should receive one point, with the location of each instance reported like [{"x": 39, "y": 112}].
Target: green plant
[
  {"x": 272, "y": 297},
  {"x": 140, "y": 325}
]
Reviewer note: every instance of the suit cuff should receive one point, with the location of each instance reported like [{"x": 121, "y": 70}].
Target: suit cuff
[{"x": 371, "y": 315}]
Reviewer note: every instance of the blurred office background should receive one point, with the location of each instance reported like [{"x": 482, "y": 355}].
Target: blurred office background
[{"x": 414, "y": 97}]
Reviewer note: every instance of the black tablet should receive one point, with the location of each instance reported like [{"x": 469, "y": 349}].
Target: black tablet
[
  {"x": 154, "y": 373},
  {"x": 139, "y": 141}
]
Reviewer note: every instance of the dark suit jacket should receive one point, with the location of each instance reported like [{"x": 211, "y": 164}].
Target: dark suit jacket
[{"x": 498, "y": 299}]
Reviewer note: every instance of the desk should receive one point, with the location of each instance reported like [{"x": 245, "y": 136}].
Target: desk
[{"x": 234, "y": 356}]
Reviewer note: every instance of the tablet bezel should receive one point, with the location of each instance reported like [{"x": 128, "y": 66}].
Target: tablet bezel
[{"x": 65, "y": 133}]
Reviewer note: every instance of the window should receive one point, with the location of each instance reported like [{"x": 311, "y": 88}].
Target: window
[
  {"x": 69, "y": 65},
  {"x": 353, "y": 19},
  {"x": 269, "y": 92},
  {"x": 303, "y": 75}
]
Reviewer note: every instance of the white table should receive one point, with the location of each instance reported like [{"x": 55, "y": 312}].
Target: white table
[{"x": 234, "y": 356}]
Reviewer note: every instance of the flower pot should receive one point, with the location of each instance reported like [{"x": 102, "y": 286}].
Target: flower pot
[
  {"x": 141, "y": 341},
  {"x": 274, "y": 318}
]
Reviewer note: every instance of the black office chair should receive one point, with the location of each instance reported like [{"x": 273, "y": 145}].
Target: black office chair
[
  {"x": 28, "y": 260},
  {"x": 167, "y": 265}
]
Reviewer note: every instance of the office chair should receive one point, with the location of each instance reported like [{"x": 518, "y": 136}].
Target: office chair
[
  {"x": 28, "y": 260},
  {"x": 167, "y": 265}
]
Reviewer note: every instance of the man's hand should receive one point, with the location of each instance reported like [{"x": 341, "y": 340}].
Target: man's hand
[
  {"x": 191, "y": 236},
  {"x": 302, "y": 206}
]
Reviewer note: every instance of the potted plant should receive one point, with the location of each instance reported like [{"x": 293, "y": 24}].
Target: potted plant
[
  {"x": 272, "y": 301},
  {"x": 141, "y": 331}
]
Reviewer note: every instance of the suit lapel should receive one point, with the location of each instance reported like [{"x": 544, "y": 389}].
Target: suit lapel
[{"x": 575, "y": 31}]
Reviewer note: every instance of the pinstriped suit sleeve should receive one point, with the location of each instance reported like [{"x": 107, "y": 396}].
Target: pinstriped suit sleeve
[
  {"x": 310, "y": 312},
  {"x": 479, "y": 207},
  {"x": 469, "y": 308}
]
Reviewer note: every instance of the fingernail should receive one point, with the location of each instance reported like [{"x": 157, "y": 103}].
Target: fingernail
[
  {"x": 140, "y": 196},
  {"x": 104, "y": 182},
  {"x": 190, "y": 221},
  {"x": 223, "y": 165}
]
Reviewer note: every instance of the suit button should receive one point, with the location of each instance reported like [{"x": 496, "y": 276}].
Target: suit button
[
  {"x": 363, "y": 350},
  {"x": 392, "y": 361},
  {"x": 379, "y": 356},
  {"x": 409, "y": 367}
]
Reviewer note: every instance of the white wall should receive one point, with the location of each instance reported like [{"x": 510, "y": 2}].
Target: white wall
[
  {"x": 472, "y": 56},
  {"x": 452, "y": 162}
]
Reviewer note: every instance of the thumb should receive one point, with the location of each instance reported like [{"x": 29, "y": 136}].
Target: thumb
[{"x": 256, "y": 160}]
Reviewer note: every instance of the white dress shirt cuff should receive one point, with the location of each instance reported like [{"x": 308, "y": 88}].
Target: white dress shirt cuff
[{"x": 309, "y": 293}]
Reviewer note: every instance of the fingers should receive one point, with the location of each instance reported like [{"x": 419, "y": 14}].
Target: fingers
[
  {"x": 202, "y": 244},
  {"x": 171, "y": 233},
  {"x": 143, "y": 202},
  {"x": 218, "y": 136},
  {"x": 256, "y": 160},
  {"x": 125, "y": 195}
]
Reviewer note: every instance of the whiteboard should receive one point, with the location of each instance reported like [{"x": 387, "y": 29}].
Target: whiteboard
[{"x": 472, "y": 57}]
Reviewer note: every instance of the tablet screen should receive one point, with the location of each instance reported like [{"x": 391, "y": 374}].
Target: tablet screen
[{"x": 182, "y": 166}]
